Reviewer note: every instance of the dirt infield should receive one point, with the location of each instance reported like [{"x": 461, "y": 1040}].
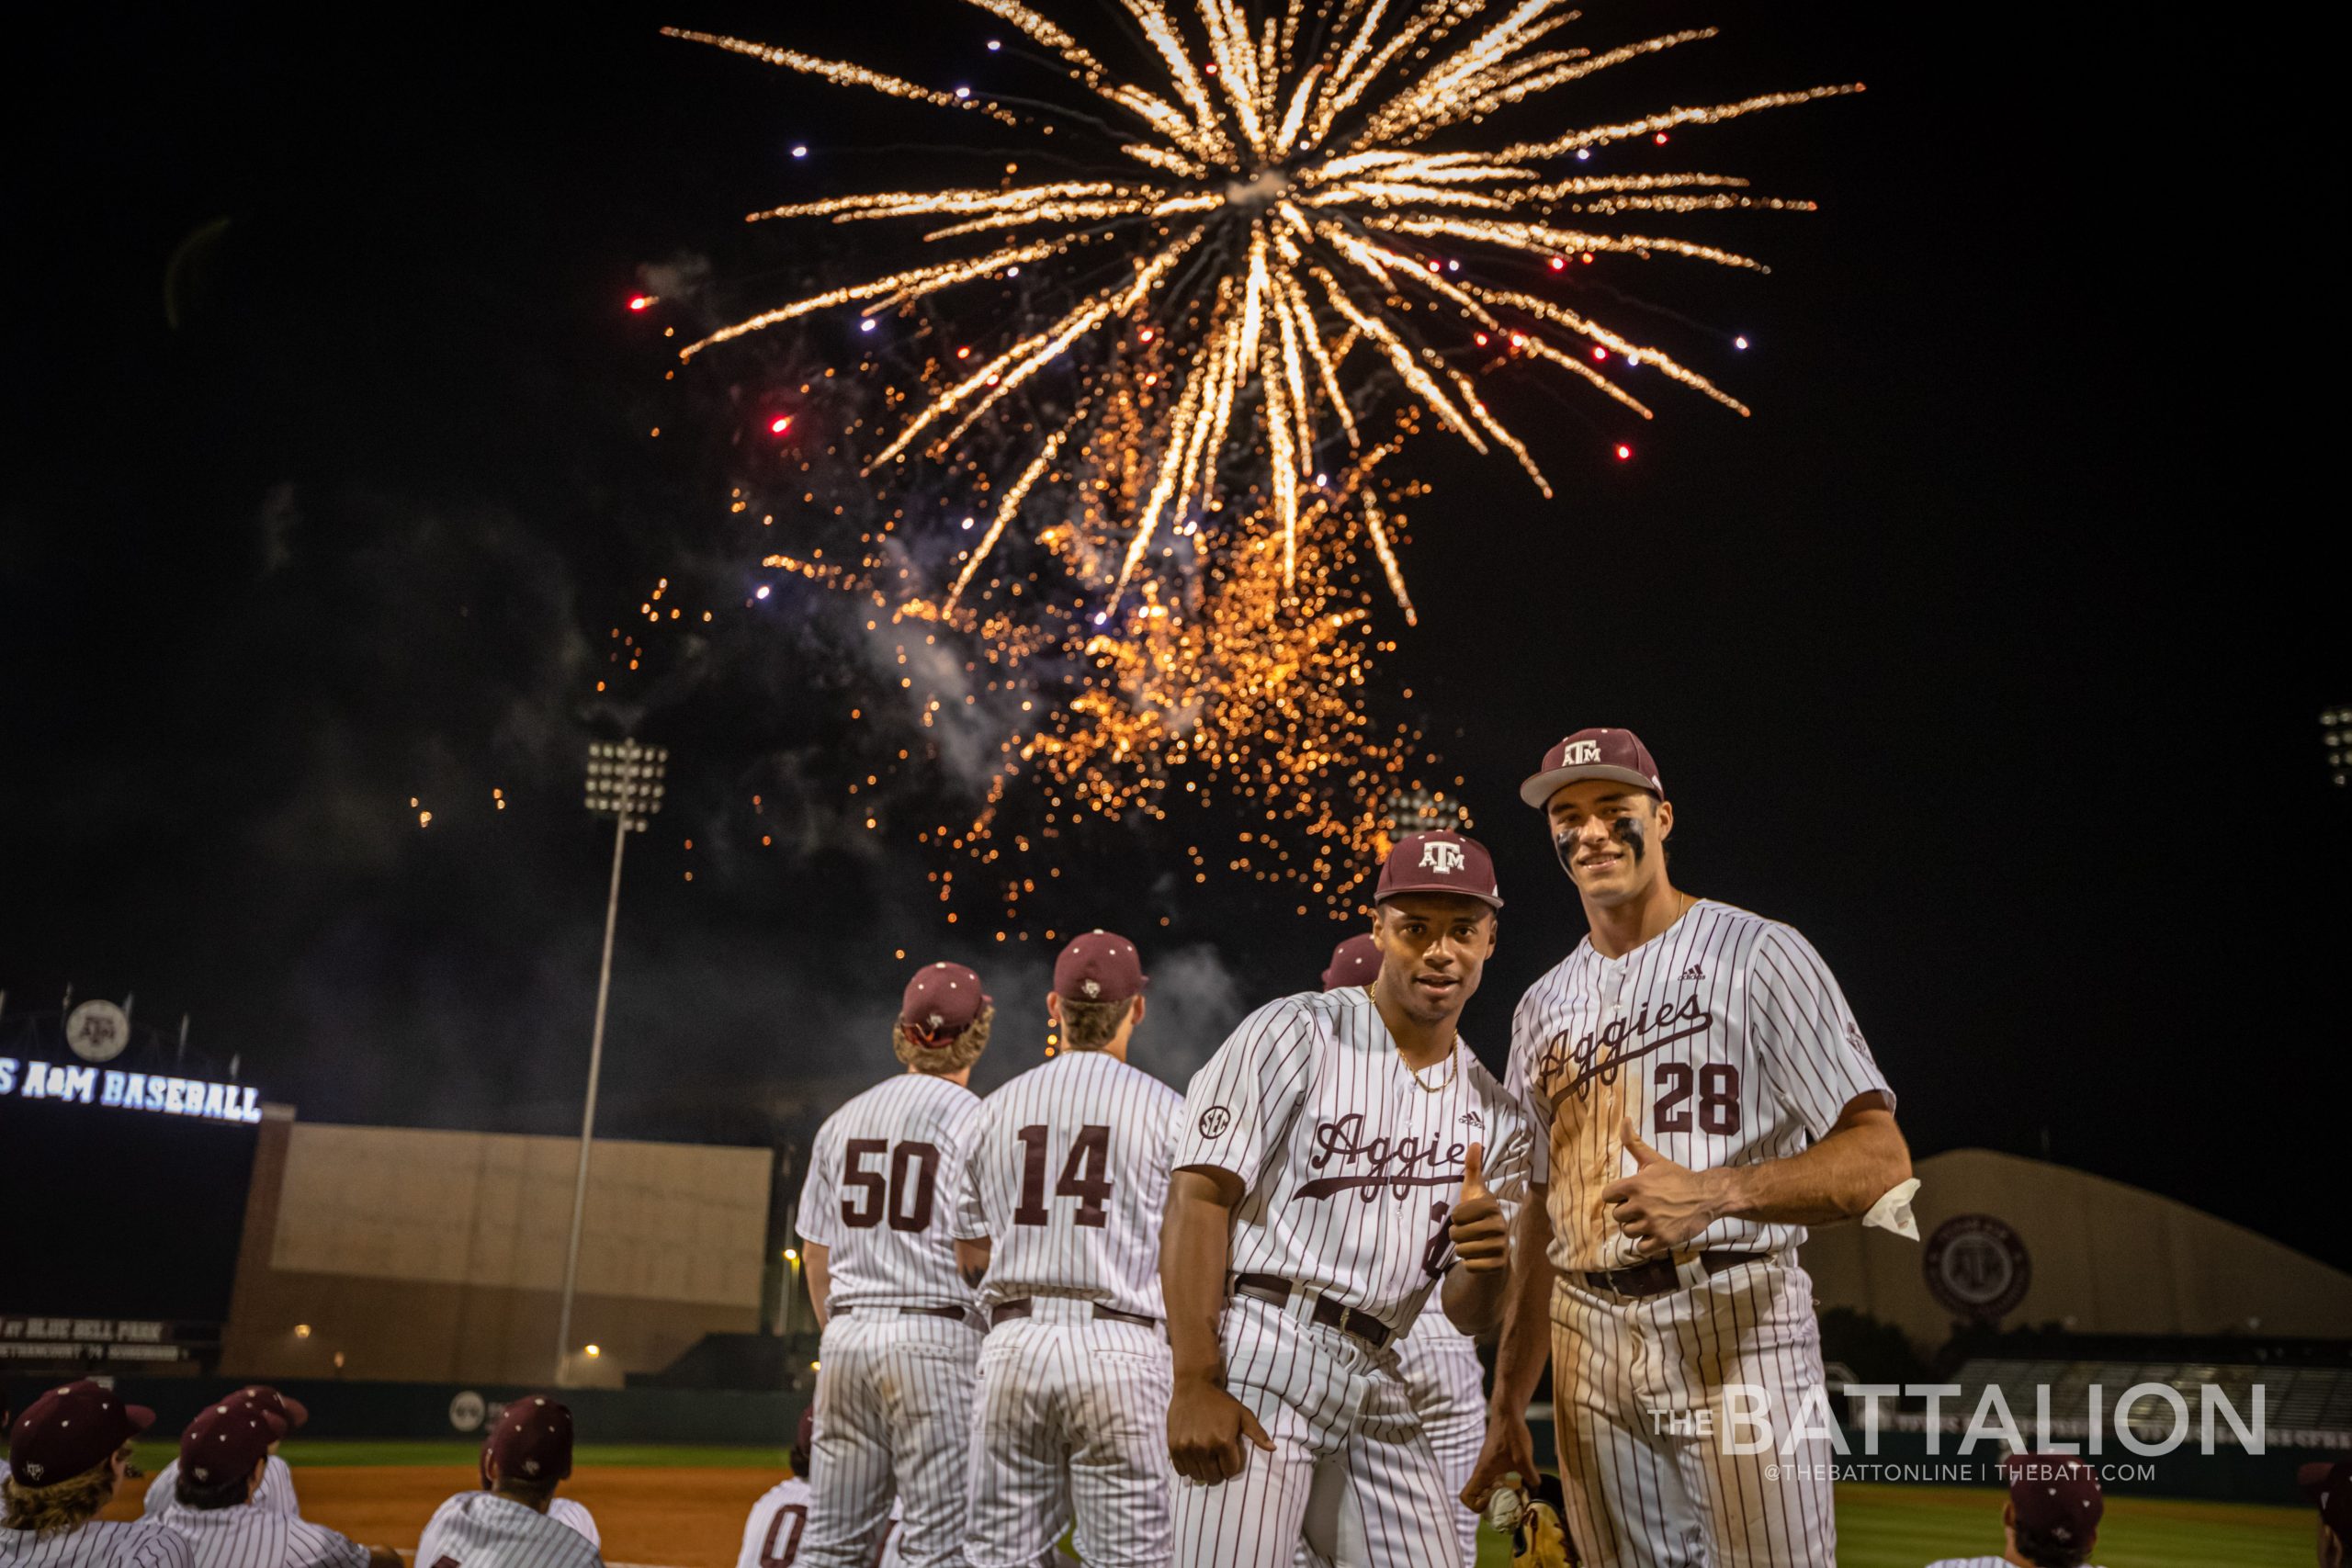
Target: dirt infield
[{"x": 677, "y": 1518}]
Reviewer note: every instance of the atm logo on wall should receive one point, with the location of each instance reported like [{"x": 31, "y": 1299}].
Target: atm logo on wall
[{"x": 129, "y": 1092}]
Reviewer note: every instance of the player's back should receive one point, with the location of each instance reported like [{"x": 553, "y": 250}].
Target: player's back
[
  {"x": 1068, "y": 1176},
  {"x": 576, "y": 1517},
  {"x": 98, "y": 1544},
  {"x": 482, "y": 1529},
  {"x": 773, "y": 1533},
  {"x": 274, "y": 1496},
  {"x": 884, "y": 1178},
  {"x": 248, "y": 1536}
]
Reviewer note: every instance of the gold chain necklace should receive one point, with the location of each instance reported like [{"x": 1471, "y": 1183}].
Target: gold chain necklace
[{"x": 1453, "y": 1057}]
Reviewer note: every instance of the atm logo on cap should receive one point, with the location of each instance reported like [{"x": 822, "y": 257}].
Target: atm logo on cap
[
  {"x": 1574, "y": 754},
  {"x": 1444, "y": 858}
]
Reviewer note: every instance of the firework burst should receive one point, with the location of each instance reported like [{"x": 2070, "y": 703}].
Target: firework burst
[{"x": 1277, "y": 201}]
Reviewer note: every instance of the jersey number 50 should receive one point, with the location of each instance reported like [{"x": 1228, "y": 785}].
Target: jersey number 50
[{"x": 904, "y": 1199}]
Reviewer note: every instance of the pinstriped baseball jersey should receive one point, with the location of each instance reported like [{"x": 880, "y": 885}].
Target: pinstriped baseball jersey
[
  {"x": 1727, "y": 1040},
  {"x": 1350, "y": 1162},
  {"x": 575, "y": 1516},
  {"x": 884, "y": 1178},
  {"x": 780, "y": 1518},
  {"x": 482, "y": 1529},
  {"x": 97, "y": 1544},
  {"x": 1068, "y": 1174},
  {"x": 247, "y": 1537},
  {"x": 274, "y": 1496}
]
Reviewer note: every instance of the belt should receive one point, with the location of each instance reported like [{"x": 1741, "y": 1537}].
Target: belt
[
  {"x": 1005, "y": 1312},
  {"x": 1659, "y": 1275},
  {"x": 960, "y": 1314},
  {"x": 1331, "y": 1313}
]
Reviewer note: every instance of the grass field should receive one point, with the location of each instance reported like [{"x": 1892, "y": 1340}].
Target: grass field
[{"x": 1878, "y": 1527}]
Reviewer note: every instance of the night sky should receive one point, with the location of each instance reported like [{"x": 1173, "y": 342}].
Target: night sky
[{"x": 1988, "y": 653}]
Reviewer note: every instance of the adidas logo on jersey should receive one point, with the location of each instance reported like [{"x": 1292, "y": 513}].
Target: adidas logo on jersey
[
  {"x": 1695, "y": 973},
  {"x": 1472, "y": 1119}
]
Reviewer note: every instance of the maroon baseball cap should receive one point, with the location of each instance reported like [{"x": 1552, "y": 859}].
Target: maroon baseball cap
[
  {"x": 1439, "y": 862},
  {"x": 2329, "y": 1486},
  {"x": 285, "y": 1407},
  {"x": 226, "y": 1440},
  {"x": 1099, "y": 967},
  {"x": 532, "y": 1442},
  {"x": 71, "y": 1430},
  {"x": 2055, "y": 1497},
  {"x": 1354, "y": 963},
  {"x": 940, "y": 1003},
  {"x": 1593, "y": 754}
]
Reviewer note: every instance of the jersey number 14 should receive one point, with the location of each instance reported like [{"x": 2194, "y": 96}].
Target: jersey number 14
[{"x": 1085, "y": 1177}]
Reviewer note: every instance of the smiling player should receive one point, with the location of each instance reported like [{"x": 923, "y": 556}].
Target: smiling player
[
  {"x": 1334, "y": 1167},
  {"x": 1703, "y": 1094}
]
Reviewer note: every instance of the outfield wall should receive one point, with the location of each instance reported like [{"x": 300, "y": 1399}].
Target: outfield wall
[
  {"x": 2087, "y": 1254},
  {"x": 453, "y": 1411},
  {"x": 418, "y": 1255}
]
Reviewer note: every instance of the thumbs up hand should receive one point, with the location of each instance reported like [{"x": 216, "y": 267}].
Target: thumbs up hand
[
  {"x": 1662, "y": 1204},
  {"x": 1481, "y": 1238}
]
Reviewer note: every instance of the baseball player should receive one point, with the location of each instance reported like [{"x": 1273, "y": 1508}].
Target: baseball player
[
  {"x": 779, "y": 1520},
  {"x": 1335, "y": 1165},
  {"x": 224, "y": 1453},
  {"x": 901, "y": 1342},
  {"x": 1703, "y": 1094},
  {"x": 276, "y": 1493},
  {"x": 506, "y": 1524},
  {"x": 2051, "y": 1520},
  {"x": 67, "y": 1454},
  {"x": 1440, "y": 1362},
  {"x": 2329, "y": 1488},
  {"x": 1065, "y": 1185}
]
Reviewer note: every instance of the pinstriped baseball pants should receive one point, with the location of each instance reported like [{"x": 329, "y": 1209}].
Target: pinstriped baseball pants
[
  {"x": 1071, "y": 1428},
  {"x": 1449, "y": 1389},
  {"x": 894, "y": 1417},
  {"x": 1630, "y": 1382},
  {"x": 1351, "y": 1475}
]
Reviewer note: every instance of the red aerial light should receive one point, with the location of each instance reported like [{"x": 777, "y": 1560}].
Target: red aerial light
[
  {"x": 1624, "y": 451},
  {"x": 1661, "y": 138},
  {"x": 1559, "y": 264},
  {"x": 639, "y": 301},
  {"x": 1599, "y": 352},
  {"x": 779, "y": 424},
  {"x": 1482, "y": 340}
]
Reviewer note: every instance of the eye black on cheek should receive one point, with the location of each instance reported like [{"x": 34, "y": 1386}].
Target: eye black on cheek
[{"x": 1628, "y": 831}]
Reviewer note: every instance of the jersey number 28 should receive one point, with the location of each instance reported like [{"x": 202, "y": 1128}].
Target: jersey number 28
[
  {"x": 1718, "y": 1098},
  {"x": 1085, "y": 1176},
  {"x": 904, "y": 1199}
]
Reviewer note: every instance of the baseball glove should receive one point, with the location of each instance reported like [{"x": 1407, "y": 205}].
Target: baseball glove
[{"x": 1529, "y": 1516}]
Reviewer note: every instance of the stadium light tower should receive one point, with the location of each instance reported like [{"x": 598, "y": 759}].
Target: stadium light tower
[{"x": 624, "y": 783}]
